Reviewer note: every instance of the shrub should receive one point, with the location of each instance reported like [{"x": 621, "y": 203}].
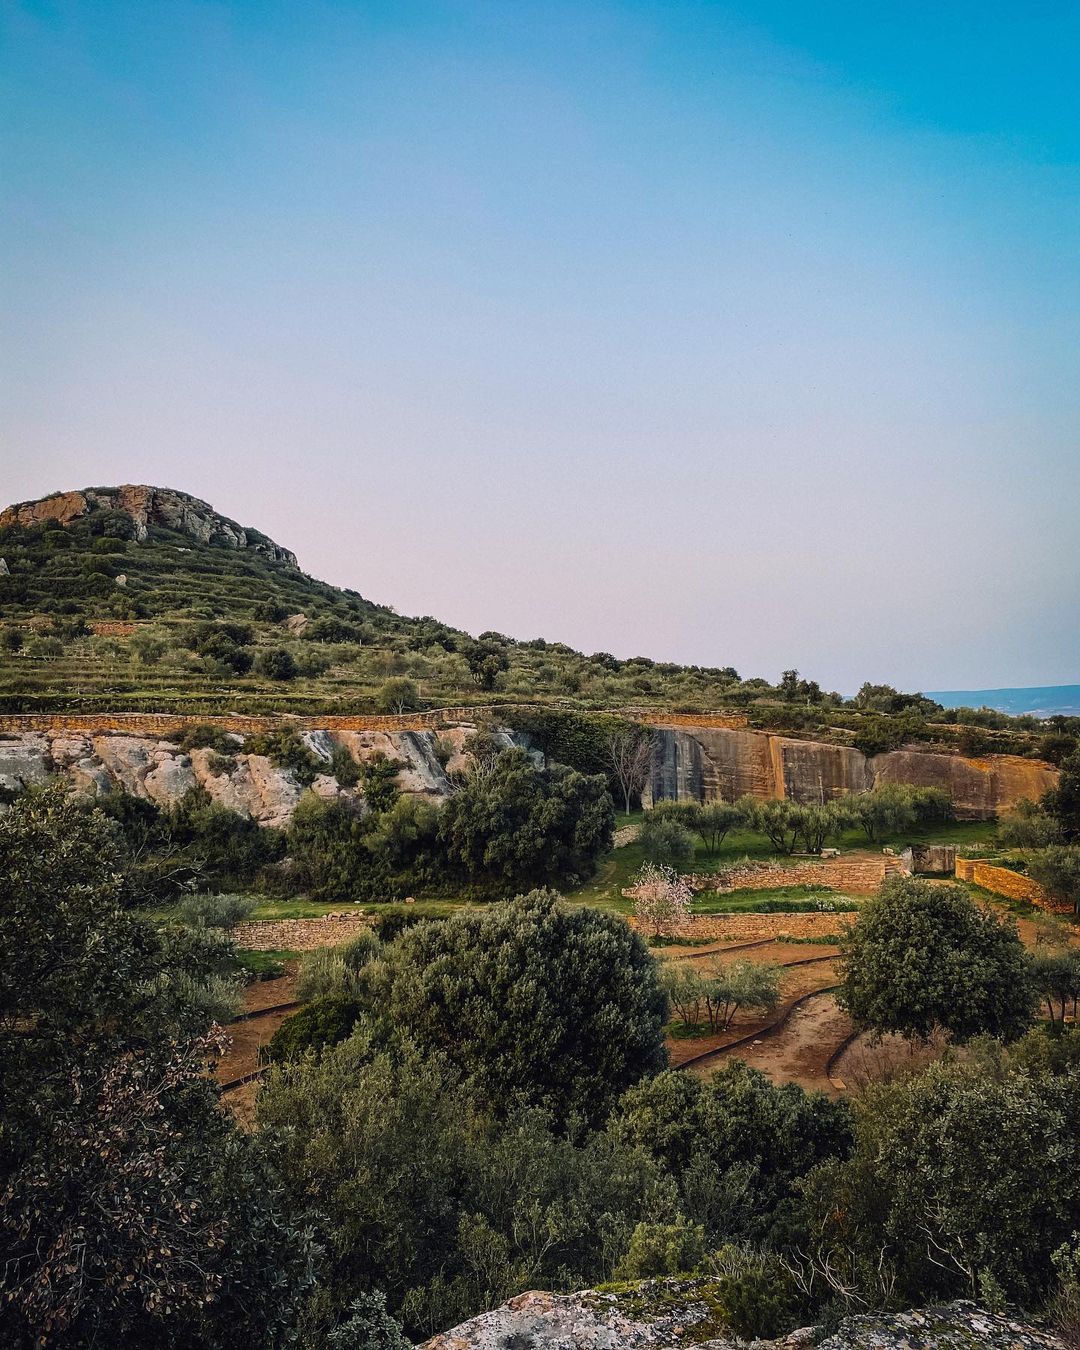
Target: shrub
[
  {"x": 334, "y": 971},
  {"x": 924, "y": 958},
  {"x": 665, "y": 839},
  {"x": 662, "y": 1249},
  {"x": 537, "y": 1002},
  {"x": 344, "y": 768},
  {"x": 284, "y": 747},
  {"x": 756, "y": 1293},
  {"x": 214, "y": 911},
  {"x": 324, "y": 1021},
  {"x": 276, "y": 663}
]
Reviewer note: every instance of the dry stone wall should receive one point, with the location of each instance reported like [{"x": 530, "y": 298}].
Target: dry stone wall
[{"x": 1004, "y": 881}]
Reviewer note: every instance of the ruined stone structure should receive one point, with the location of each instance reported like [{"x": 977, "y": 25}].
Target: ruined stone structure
[
  {"x": 148, "y": 506},
  {"x": 717, "y": 764}
]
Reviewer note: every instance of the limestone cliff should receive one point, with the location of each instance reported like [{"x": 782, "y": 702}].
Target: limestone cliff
[
  {"x": 161, "y": 772},
  {"x": 147, "y": 506},
  {"x": 708, "y": 764},
  {"x": 676, "y": 1313}
]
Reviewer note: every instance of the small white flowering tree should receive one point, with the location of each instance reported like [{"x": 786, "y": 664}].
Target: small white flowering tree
[{"x": 662, "y": 900}]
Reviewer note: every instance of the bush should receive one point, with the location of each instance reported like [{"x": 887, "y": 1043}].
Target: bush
[
  {"x": 214, "y": 911},
  {"x": 398, "y": 695},
  {"x": 662, "y": 1249},
  {"x": 665, "y": 839},
  {"x": 924, "y": 958},
  {"x": 323, "y": 1022},
  {"x": 284, "y": 748},
  {"x": 334, "y": 971},
  {"x": 537, "y": 1002},
  {"x": 756, "y": 1293},
  {"x": 276, "y": 663}
]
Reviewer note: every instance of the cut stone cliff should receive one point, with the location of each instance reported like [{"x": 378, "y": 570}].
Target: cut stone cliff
[{"x": 705, "y": 764}]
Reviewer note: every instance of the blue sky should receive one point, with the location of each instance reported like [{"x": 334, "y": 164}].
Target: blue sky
[{"x": 731, "y": 333}]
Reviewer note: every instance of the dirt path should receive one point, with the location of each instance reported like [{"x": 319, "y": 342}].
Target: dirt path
[
  {"x": 799, "y": 1050},
  {"x": 251, "y": 1032},
  {"x": 798, "y": 981}
]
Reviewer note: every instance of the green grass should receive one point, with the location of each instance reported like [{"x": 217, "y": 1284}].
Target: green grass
[
  {"x": 265, "y": 965},
  {"x": 618, "y": 870},
  {"x": 776, "y": 900}
]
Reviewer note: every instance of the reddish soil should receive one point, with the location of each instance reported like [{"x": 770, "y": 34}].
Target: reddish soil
[
  {"x": 797, "y": 982},
  {"x": 250, "y": 1034}
]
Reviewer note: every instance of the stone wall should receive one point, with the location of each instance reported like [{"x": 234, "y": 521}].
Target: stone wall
[
  {"x": 1004, "y": 881},
  {"x": 857, "y": 876},
  {"x": 299, "y": 935}
]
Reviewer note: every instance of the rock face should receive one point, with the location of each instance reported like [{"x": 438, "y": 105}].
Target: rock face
[
  {"x": 148, "y": 506},
  {"x": 707, "y": 764},
  {"x": 249, "y": 784},
  {"x": 595, "y": 1321}
]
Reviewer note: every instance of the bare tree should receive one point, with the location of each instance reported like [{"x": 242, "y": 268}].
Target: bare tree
[{"x": 629, "y": 750}]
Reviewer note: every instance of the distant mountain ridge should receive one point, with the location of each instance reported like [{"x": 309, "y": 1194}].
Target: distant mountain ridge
[{"x": 1037, "y": 701}]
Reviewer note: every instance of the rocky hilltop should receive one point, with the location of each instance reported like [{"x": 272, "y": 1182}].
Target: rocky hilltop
[
  {"x": 147, "y": 506},
  {"x": 672, "y": 1314}
]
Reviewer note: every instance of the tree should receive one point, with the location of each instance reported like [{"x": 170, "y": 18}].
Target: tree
[
  {"x": 276, "y": 663},
  {"x": 958, "y": 1187},
  {"x": 518, "y": 824},
  {"x": 821, "y": 822},
  {"x": 398, "y": 695},
  {"x": 487, "y": 660},
  {"x": 1063, "y": 801},
  {"x": 740, "y": 984},
  {"x": 1056, "y": 976},
  {"x": 132, "y": 1212},
  {"x": 777, "y": 818},
  {"x": 379, "y": 781},
  {"x": 629, "y": 750},
  {"x": 712, "y": 822},
  {"x": 1057, "y": 870},
  {"x": 538, "y": 1003},
  {"x": 662, "y": 900},
  {"x": 924, "y": 958}
]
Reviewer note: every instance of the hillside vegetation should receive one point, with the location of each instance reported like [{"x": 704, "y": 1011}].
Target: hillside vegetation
[{"x": 94, "y": 618}]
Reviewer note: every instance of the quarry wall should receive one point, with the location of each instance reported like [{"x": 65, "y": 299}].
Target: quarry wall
[{"x": 722, "y": 764}]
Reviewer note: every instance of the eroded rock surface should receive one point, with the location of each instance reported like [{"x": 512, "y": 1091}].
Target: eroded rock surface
[
  {"x": 673, "y": 1314},
  {"x": 148, "y": 506},
  {"x": 249, "y": 784}
]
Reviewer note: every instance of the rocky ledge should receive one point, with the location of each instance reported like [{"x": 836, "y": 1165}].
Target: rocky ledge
[
  {"x": 148, "y": 506},
  {"x": 593, "y": 1320}
]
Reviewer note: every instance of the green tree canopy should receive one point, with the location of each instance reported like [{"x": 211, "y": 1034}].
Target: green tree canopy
[
  {"x": 925, "y": 957},
  {"x": 540, "y": 1003}
]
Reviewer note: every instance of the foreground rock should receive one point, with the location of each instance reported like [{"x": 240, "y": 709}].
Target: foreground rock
[{"x": 679, "y": 1314}]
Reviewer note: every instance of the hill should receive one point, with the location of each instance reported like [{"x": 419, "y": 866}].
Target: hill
[
  {"x": 139, "y": 598},
  {"x": 1050, "y": 700}
]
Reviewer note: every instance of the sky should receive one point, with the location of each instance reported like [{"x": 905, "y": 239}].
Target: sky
[{"x": 727, "y": 333}]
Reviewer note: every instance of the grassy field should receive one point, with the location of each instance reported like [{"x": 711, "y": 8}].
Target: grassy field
[{"x": 622, "y": 865}]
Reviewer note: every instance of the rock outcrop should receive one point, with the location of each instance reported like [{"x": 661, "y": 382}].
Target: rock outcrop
[
  {"x": 671, "y": 1314},
  {"x": 252, "y": 785},
  {"x": 147, "y": 506},
  {"x": 708, "y": 764}
]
